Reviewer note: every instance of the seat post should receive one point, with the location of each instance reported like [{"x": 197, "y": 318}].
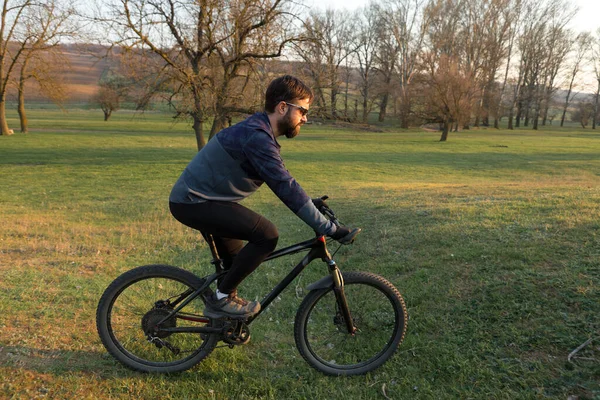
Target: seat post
[{"x": 216, "y": 261}]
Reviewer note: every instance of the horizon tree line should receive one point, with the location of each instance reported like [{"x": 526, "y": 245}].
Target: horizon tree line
[{"x": 456, "y": 63}]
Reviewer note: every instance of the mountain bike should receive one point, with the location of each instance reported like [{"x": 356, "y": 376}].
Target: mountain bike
[{"x": 151, "y": 317}]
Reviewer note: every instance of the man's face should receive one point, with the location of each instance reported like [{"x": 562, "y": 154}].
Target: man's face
[{"x": 294, "y": 117}]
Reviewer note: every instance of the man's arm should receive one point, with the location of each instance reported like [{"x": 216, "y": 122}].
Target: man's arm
[{"x": 263, "y": 154}]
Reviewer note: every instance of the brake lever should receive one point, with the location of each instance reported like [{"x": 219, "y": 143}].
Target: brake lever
[{"x": 329, "y": 213}]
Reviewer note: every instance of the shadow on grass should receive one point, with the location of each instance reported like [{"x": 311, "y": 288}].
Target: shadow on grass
[
  {"x": 543, "y": 161},
  {"x": 56, "y": 361},
  {"x": 61, "y": 363}
]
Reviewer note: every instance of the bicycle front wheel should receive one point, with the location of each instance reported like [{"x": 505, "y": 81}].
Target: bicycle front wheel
[
  {"x": 378, "y": 312},
  {"x": 135, "y": 304}
]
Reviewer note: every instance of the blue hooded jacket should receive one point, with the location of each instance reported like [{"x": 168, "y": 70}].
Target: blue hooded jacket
[{"x": 236, "y": 162}]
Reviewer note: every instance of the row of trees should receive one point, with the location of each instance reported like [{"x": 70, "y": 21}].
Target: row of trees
[
  {"x": 453, "y": 62},
  {"x": 456, "y": 62}
]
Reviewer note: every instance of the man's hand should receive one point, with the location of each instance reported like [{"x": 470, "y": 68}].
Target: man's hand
[
  {"x": 341, "y": 232},
  {"x": 345, "y": 235},
  {"x": 319, "y": 203}
]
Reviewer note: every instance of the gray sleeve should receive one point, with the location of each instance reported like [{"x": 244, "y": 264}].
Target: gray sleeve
[{"x": 309, "y": 214}]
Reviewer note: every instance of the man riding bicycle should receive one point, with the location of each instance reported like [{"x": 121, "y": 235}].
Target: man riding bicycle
[{"x": 232, "y": 166}]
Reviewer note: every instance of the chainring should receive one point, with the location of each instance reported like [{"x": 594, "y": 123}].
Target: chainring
[{"x": 237, "y": 333}]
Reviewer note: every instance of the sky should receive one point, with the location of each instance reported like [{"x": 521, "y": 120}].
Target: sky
[{"x": 587, "y": 19}]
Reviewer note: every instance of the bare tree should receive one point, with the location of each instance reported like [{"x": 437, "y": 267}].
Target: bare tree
[
  {"x": 543, "y": 48},
  {"x": 582, "y": 45},
  {"x": 559, "y": 44},
  {"x": 386, "y": 58},
  {"x": 258, "y": 30},
  {"x": 450, "y": 93},
  {"x": 492, "y": 39},
  {"x": 512, "y": 17},
  {"x": 45, "y": 25},
  {"x": 449, "y": 67},
  {"x": 324, "y": 53},
  {"x": 530, "y": 47},
  {"x": 409, "y": 23},
  {"x": 595, "y": 59},
  {"x": 368, "y": 18},
  {"x": 13, "y": 42},
  {"x": 201, "y": 47},
  {"x": 583, "y": 113},
  {"x": 113, "y": 90}
]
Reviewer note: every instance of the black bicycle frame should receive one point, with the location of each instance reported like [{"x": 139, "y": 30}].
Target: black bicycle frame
[{"x": 317, "y": 249}]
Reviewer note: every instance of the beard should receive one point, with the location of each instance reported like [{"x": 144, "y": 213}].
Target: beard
[{"x": 287, "y": 127}]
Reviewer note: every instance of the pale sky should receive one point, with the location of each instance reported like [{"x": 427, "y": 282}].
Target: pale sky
[{"x": 587, "y": 19}]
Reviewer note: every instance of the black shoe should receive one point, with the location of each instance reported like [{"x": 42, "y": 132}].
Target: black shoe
[{"x": 230, "y": 306}]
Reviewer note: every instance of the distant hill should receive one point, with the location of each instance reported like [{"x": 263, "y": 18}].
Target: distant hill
[{"x": 80, "y": 76}]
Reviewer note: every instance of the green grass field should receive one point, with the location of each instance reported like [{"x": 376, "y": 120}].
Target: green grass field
[{"x": 493, "y": 238}]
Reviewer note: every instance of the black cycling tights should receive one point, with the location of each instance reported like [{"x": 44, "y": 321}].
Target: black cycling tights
[{"x": 230, "y": 223}]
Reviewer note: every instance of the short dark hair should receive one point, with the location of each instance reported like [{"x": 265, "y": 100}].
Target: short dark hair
[{"x": 286, "y": 88}]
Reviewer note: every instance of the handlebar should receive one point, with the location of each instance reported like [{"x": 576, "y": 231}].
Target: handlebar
[{"x": 328, "y": 212}]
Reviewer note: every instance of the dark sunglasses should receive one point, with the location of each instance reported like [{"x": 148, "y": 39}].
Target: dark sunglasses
[{"x": 303, "y": 110}]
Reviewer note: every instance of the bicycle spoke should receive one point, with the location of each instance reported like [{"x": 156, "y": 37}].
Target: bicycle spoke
[
  {"x": 138, "y": 303},
  {"x": 322, "y": 334}
]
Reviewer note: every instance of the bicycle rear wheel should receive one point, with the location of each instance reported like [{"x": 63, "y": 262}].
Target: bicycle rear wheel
[
  {"x": 136, "y": 302},
  {"x": 378, "y": 312}
]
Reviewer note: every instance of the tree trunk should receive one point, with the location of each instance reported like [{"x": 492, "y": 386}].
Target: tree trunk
[
  {"x": 485, "y": 120},
  {"x": 480, "y": 109},
  {"x": 404, "y": 109},
  {"x": 21, "y": 108},
  {"x": 562, "y": 119},
  {"x": 536, "y": 111},
  {"x": 219, "y": 123},
  {"x": 564, "y": 113},
  {"x": 333, "y": 98},
  {"x": 21, "y": 96},
  {"x": 383, "y": 107},
  {"x": 346, "y": 90},
  {"x": 197, "y": 125},
  {"x": 107, "y": 114},
  {"x": 596, "y": 106},
  {"x": 545, "y": 113},
  {"x": 445, "y": 131},
  {"x": 365, "y": 115},
  {"x": 320, "y": 100},
  {"x": 198, "y": 118},
  {"x": 3, "y": 122}
]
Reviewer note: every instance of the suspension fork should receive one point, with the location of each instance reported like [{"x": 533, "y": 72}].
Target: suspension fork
[{"x": 340, "y": 296}]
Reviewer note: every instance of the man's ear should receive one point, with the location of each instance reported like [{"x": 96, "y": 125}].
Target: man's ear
[{"x": 281, "y": 108}]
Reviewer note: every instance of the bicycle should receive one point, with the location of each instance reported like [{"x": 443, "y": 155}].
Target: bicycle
[{"x": 348, "y": 323}]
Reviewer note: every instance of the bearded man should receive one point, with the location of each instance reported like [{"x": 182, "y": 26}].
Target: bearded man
[{"x": 232, "y": 166}]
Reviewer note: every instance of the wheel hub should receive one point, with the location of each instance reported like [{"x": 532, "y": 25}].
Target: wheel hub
[{"x": 151, "y": 320}]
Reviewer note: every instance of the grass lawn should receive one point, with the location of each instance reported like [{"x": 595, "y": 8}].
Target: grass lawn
[{"x": 493, "y": 238}]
